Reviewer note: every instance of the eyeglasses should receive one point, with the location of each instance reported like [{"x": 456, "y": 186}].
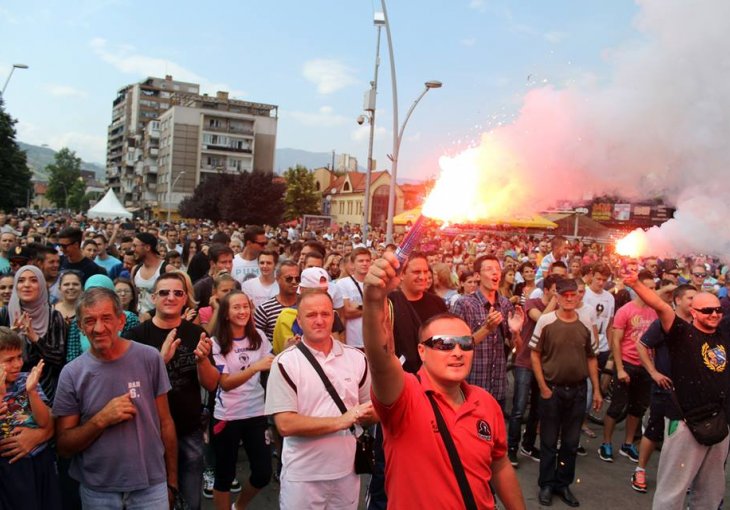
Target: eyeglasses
[
  {"x": 166, "y": 292},
  {"x": 449, "y": 343},
  {"x": 65, "y": 245},
  {"x": 292, "y": 279},
  {"x": 699, "y": 275},
  {"x": 709, "y": 310}
]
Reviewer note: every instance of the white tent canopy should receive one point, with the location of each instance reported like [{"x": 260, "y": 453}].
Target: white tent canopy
[{"x": 109, "y": 208}]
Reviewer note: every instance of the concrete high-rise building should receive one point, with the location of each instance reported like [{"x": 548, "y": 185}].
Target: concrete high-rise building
[
  {"x": 346, "y": 163},
  {"x": 164, "y": 135},
  {"x": 131, "y": 167},
  {"x": 205, "y": 135}
]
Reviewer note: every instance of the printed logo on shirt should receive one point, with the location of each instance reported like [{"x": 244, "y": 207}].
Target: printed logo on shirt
[
  {"x": 243, "y": 358},
  {"x": 133, "y": 388},
  {"x": 483, "y": 430},
  {"x": 715, "y": 358}
]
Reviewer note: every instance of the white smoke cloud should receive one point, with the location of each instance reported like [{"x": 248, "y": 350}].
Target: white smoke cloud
[{"x": 659, "y": 126}]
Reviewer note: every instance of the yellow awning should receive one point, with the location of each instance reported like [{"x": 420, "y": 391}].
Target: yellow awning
[{"x": 517, "y": 221}]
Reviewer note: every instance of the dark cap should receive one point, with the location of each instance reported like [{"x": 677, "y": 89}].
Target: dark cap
[
  {"x": 149, "y": 240},
  {"x": 566, "y": 285},
  {"x": 19, "y": 254}
]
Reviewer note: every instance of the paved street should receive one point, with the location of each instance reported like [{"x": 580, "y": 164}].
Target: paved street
[{"x": 599, "y": 485}]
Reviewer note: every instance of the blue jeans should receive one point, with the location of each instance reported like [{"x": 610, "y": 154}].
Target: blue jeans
[
  {"x": 561, "y": 417},
  {"x": 151, "y": 498},
  {"x": 190, "y": 467},
  {"x": 525, "y": 390}
]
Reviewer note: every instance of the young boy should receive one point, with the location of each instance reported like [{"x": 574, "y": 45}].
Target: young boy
[{"x": 31, "y": 482}]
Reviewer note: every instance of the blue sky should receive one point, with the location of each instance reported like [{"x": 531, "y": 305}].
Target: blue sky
[{"x": 314, "y": 59}]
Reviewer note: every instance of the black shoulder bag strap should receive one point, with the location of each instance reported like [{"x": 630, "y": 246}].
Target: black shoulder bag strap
[
  {"x": 357, "y": 286},
  {"x": 327, "y": 383},
  {"x": 456, "y": 464}
]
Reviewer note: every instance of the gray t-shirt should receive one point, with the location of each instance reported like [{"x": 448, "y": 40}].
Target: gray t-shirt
[{"x": 128, "y": 456}]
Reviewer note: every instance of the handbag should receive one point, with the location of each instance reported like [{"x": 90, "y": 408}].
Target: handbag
[
  {"x": 708, "y": 423},
  {"x": 364, "y": 454}
]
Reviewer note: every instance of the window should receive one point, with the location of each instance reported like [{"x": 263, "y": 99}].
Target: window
[
  {"x": 346, "y": 187},
  {"x": 215, "y": 123}
]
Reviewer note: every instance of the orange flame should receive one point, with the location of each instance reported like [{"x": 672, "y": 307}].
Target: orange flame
[
  {"x": 475, "y": 185},
  {"x": 633, "y": 245}
]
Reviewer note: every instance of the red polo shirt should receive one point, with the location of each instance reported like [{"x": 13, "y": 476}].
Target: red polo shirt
[{"x": 418, "y": 472}]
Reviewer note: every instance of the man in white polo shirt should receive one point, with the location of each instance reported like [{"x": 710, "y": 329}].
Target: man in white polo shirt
[{"x": 319, "y": 447}]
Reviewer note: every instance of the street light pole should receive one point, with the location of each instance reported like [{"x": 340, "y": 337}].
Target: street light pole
[
  {"x": 15, "y": 66},
  {"x": 379, "y": 21},
  {"x": 433, "y": 84},
  {"x": 170, "y": 186},
  {"x": 394, "y": 85}
]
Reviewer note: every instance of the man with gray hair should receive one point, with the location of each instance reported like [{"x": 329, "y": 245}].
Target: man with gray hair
[{"x": 111, "y": 403}]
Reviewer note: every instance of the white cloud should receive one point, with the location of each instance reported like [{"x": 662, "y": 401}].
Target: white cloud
[
  {"x": 468, "y": 41},
  {"x": 124, "y": 59},
  {"x": 324, "y": 117},
  {"x": 555, "y": 36},
  {"x": 63, "y": 90},
  {"x": 89, "y": 147},
  {"x": 329, "y": 75},
  {"x": 362, "y": 133},
  {"x": 478, "y": 5}
]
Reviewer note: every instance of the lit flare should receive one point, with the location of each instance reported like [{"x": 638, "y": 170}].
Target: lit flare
[{"x": 633, "y": 245}]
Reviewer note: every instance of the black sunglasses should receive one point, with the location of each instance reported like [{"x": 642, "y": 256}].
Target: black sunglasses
[
  {"x": 709, "y": 310},
  {"x": 292, "y": 279},
  {"x": 449, "y": 343},
  {"x": 166, "y": 292}
]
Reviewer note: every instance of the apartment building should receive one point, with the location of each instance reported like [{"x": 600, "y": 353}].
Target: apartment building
[
  {"x": 165, "y": 135},
  {"x": 131, "y": 153},
  {"x": 204, "y": 135}
]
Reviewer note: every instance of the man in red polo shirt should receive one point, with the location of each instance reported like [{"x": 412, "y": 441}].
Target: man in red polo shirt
[{"x": 411, "y": 434}]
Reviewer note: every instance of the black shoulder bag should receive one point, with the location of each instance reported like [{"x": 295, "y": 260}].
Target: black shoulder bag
[
  {"x": 458, "y": 468},
  {"x": 364, "y": 455},
  {"x": 707, "y": 423}
]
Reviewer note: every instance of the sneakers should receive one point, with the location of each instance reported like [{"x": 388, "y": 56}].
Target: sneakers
[
  {"x": 605, "y": 452},
  {"x": 581, "y": 451},
  {"x": 638, "y": 481},
  {"x": 235, "y": 486},
  {"x": 512, "y": 456},
  {"x": 630, "y": 451},
  {"x": 531, "y": 453},
  {"x": 208, "y": 479}
]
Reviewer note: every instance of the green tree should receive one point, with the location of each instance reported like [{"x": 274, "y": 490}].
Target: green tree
[
  {"x": 302, "y": 196},
  {"x": 14, "y": 172},
  {"x": 64, "y": 179},
  {"x": 255, "y": 198}
]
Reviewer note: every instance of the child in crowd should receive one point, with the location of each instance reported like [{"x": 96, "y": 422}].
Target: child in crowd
[{"x": 29, "y": 482}]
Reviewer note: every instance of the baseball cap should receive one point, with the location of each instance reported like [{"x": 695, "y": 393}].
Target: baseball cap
[
  {"x": 314, "y": 278},
  {"x": 149, "y": 240},
  {"x": 566, "y": 285}
]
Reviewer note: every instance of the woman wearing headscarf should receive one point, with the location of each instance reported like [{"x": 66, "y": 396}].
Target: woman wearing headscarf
[
  {"x": 77, "y": 342},
  {"x": 42, "y": 327}
]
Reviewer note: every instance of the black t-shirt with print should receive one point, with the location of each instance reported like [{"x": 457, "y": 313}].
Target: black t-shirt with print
[
  {"x": 184, "y": 397},
  {"x": 699, "y": 365}
]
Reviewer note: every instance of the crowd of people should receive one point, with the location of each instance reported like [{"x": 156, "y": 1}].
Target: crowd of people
[{"x": 136, "y": 357}]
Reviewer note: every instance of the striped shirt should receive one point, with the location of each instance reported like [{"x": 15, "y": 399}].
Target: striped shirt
[
  {"x": 489, "y": 366},
  {"x": 266, "y": 314}
]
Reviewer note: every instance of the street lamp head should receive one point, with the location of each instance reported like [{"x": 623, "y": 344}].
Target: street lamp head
[
  {"x": 434, "y": 84},
  {"x": 20, "y": 66},
  {"x": 379, "y": 19}
]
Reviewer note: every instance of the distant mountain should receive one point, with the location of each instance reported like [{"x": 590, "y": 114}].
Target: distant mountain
[
  {"x": 40, "y": 157},
  {"x": 286, "y": 158}
]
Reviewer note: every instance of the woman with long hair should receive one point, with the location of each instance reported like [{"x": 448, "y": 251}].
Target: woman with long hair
[
  {"x": 127, "y": 293},
  {"x": 527, "y": 285},
  {"x": 443, "y": 284},
  {"x": 507, "y": 285},
  {"x": 70, "y": 289},
  {"x": 468, "y": 282},
  {"x": 190, "y": 248},
  {"x": 223, "y": 284},
  {"x": 242, "y": 353}
]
